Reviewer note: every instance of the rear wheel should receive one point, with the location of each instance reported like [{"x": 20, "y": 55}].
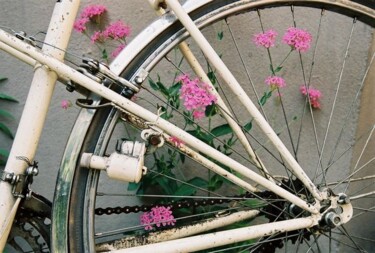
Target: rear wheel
[{"x": 323, "y": 114}]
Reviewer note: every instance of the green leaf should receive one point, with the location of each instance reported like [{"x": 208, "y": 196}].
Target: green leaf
[
  {"x": 8, "y": 98},
  {"x": 265, "y": 97},
  {"x": 174, "y": 89},
  {"x": 168, "y": 186},
  {"x": 104, "y": 54},
  {"x": 254, "y": 203},
  {"x": 278, "y": 69},
  {"x": 248, "y": 126},
  {"x": 153, "y": 85},
  {"x": 215, "y": 182},
  {"x": 221, "y": 130},
  {"x": 220, "y": 35},
  {"x": 207, "y": 138},
  {"x": 3, "y": 156},
  {"x": 182, "y": 157},
  {"x": 188, "y": 118},
  {"x": 211, "y": 110},
  {"x": 6, "y": 130},
  {"x": 6, "y": 114},
  {"x": 133, "y": 186},
  {"x": 163, "y": 89},
  {"x": 3, "y": 78},
  {"x": 4, "y": 153},
  {"x": 211, "y": 75},
  {"x": 189, "y": 189}
]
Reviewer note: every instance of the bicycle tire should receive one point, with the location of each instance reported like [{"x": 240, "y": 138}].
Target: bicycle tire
[{"x": 80, "y": 226}]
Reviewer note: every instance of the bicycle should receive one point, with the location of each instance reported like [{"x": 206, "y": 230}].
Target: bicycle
[{"x": 291, "y": 205}]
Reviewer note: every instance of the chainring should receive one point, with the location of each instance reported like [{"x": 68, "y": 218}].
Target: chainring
[{"x": 31, "y": 229}]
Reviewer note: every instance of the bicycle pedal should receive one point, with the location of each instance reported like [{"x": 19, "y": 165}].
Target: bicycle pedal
[{"x": 127, "y": 164}]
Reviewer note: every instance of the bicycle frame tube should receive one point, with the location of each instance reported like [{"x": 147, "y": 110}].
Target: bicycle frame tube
[
  {"x": 207, "y": 241},
  {"x": 35, "y": 110}
]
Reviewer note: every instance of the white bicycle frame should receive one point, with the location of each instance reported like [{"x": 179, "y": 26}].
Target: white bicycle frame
[{"x": 49, "y": 66}]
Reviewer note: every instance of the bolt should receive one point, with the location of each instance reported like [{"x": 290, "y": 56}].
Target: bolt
[
  {"x": 343, "y": 199},
  {"x": 32, "y": 171},
  {"x": 138, "y": 80},
  {"x": 332, "y": 219},
  {"x": 155, "y": 140}
]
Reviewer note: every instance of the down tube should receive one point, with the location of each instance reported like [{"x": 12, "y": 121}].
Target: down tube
[
  {"x": 208, "y": 241},
  {"x": 67, "y": 72}
]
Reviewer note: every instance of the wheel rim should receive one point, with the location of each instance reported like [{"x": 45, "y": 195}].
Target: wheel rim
[{"x": 340, "y": 155}]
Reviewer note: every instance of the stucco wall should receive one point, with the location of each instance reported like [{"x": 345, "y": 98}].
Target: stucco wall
[{"x": 32, "y": 16}]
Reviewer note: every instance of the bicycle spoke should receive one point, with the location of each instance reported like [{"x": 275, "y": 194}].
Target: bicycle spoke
[
  {"x": 350, "y": 111},
  {"x": 345, "y": 232},
  {"x": 336, "y": 93}
]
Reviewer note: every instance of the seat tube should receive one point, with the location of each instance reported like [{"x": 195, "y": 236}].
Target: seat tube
[{"x": 36, "y": 107}]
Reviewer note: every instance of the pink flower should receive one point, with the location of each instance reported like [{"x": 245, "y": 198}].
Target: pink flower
[
  {"x": 92, "y": 11},
  {"x": 159, "y": 216},
  {"x": 176, "y": 141},
  {"x": 116, "y": 30},
  {"x": 314, "y": 95},
  {"x": 80, "y": 24},
  {"x": 266, "y": 39},
  {"x": 65, "y": 104},
  {"x": 117, "y": 50},
  {"x": 96, "y": 37},
  {"x": 298, "y": 39},
  {"x": 196, "y": 95},
  {"x": 275, "y": 82}
]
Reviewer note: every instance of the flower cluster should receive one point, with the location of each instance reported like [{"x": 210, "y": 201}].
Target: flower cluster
[
  {"x": 65, "y": 104},
  {"x": 266, "y": 39},
  {"x": 275, "y": 82},
  {"x": 90, "y": 12},
  {"x": 93, "y": 11},
  {"x": 298, "y": 39},
  {"x": 176, "y": 141},
  {"x": 159, "y": 216},
  {"x": 314, "y": 95},
  {"x": 115, "y": 31},
  {"x": 196, "y": 95}
]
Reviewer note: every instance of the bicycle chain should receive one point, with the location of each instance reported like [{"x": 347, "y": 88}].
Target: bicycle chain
[{"x": 179, "y": 204}]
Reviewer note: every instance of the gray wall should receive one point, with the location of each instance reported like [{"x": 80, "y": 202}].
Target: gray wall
[{"x": 33, "y": 16}]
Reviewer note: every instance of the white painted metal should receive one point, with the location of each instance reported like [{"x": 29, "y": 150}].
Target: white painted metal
[
  {"x": 207, "y": 241},
  {"x": 232, "y": 83},
  {"x": 181, "y": 232},
  {"x": 37, "y": 103},
  {"x": 68, "y": 73},
  {"x": 127, "y": 166},
  {"x": 6, "y": 227},
  {"x": 17, "y": 54}
]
